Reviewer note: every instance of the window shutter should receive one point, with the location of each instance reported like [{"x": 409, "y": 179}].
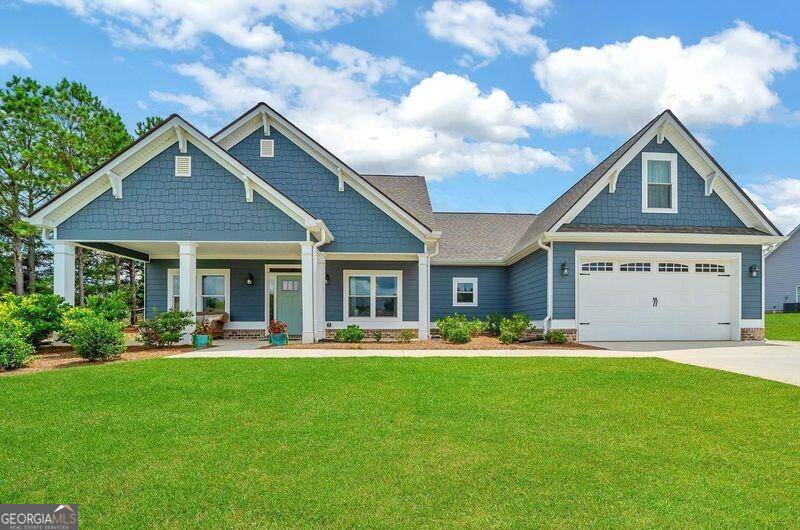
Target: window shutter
[
  {"x": 267, "y": 148},
  {"x": 183, "y": 166}
]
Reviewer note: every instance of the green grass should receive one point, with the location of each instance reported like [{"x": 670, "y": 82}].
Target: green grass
[
  {"x": 401, "y": 442},
  {"x": 782, "y": 326}
]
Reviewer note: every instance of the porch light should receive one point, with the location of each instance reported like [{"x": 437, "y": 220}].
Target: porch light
[
  {"x": 327, "y": 279},
  {"x": 564, "y": 269},
  {"x": 250, "y": 279},
  {"x": 753, "y": 271}
]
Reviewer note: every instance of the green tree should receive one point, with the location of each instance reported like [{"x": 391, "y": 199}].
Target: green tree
[{"x": 149, "y": 122}]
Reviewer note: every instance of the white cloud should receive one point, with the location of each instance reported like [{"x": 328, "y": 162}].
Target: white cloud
[
  {"x": 477, "y": 26},
  {"x": 723, "y": 79},
  {"x": 779, "y": 198},
  {"x": 338, "y": 104},
  {"x": 141, "y": 104},
  {"x": 12, "y": 56},
  {"x": 174, "y": 24}
]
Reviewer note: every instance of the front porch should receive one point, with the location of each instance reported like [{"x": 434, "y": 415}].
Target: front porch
[{"x": 255, "y": 282}]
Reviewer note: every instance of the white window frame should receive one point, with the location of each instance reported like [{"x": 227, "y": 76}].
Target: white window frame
[
  {"x": 672, "y": 158},
  {"x": 170, "y": 292},
  {"x": 189, "y": 160},
  {"x": 797, "y": 294},
  {"x": 474, "y": 282},
  {"x": 199, "y": 300},
  {"x": 398, "y": 274}
]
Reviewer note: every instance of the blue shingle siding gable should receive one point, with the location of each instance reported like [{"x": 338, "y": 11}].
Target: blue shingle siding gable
[
  {"x": 625, "y": 205},
  {"x": 357, "y": 224},
  {"x": 156, "y": 205}
]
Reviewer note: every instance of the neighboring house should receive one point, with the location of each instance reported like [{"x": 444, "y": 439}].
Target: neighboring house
[
  {"x": 260, "y": 221},
  {"x": 782, "y": 280}
]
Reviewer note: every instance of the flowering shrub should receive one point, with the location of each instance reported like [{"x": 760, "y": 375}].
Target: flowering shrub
[{"x": 276, "y": 327}]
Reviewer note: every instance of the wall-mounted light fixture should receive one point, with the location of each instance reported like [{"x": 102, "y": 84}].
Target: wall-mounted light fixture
[
  {"x": 250, "y": 279},
  {"x": 327, "y": 279},
  {"x": 564, "y": 269},
  {"x": 753, "y": 271}
]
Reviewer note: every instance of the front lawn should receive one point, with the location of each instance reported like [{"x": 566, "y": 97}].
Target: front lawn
[
  {"x": 403, "y": 442},
  {"x": 782, "y": 326}
]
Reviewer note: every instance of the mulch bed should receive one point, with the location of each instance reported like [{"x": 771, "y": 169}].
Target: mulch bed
[
  {"x": 56, "y": 357},
  {"x": 477, "y": 343}
]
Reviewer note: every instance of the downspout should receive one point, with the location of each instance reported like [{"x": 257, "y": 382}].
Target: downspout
[{"x": 548, "y": 319}]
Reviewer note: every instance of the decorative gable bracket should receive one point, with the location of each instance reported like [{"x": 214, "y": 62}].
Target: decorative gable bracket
[
  {"x": 662, "y": 129},
  {"x": 116, "y": 184},
  {"x": 340, "y": 174},
  {"x": 710, "y": 179},
  {"x": 248, "y": 188},
  {"x": 265, "y": 123},
  {"x": 612, "y": 184},
  {"x": 181, "y": 139}
]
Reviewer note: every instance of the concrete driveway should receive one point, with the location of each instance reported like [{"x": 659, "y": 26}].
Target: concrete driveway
[
  {"x": 775, "y": 360},
  {"x": 778, "y": 361}
]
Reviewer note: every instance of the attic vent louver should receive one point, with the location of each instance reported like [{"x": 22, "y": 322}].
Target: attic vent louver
[
  {"x": 183, "y": 166},
  {"x": 267, "y": 148}
]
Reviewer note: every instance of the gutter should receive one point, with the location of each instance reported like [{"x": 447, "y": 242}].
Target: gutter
[{"x": 549, "y": 317}]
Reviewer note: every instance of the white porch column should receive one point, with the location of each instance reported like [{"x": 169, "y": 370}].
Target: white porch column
[
  {"x": 307, "y": 272},
  {"x": 424, "y": 296},
  {"x": 319, "y": 295},
  {"x": 64, "y": 270},
  {"x": 188, "y": 283}
]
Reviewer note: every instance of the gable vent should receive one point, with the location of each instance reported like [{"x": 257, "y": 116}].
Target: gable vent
[
  {"x": 267, "y": 148},
  {"x": 183, "y": 166}
]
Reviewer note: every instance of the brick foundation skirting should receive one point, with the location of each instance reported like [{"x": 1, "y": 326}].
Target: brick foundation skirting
[
  {"x": 749, "y": 334},
  {"x": 388, "y": 334},
  {"x": 250, "y": 334}
]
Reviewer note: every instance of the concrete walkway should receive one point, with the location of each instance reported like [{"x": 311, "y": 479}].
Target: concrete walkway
[{"x": 778, "y": 361}]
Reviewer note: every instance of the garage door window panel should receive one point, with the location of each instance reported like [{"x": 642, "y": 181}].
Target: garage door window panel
[
  {"x": 598, "y": 266},
  {"x": 672, "y": 267},
  {"x": 634, "y": 267},
  {"x": 709, "y": 267}
]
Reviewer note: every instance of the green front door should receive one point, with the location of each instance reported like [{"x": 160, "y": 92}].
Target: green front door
[{"x": 289, "y": 302}]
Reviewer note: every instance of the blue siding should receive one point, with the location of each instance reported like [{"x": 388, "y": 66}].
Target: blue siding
[
  {"x": 625, "y": 205},
  {"x": 356, "y": 223},
  {"x": 246, "y": 303},
  {"x": 493, "y": 296},
  {"x": 782, "y": 274},
  {"x": 156, "y": 205},
  {"x": 528, "y": 285},
  {"x": 564, "y": 288},
  {"x": 334, "y": 291}
]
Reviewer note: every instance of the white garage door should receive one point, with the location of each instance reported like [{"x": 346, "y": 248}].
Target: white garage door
[{"x": 655, "y": 299}]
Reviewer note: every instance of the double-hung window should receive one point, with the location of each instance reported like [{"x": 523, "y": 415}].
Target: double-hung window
[
  {"x": 373, "y": 294},
  {"x": 213, "y": 290},
  {"x": 465, "y": 292},
  {"x": 659, "y": 183}
]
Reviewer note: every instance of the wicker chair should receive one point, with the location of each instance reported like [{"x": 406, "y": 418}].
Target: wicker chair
[{"x": 217, "y": 321}]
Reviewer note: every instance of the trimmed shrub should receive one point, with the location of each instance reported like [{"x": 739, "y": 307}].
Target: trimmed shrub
[
  {"x": 459, "y": 335},
  {"x": 493, "y": 324},
  {"x": 476, "y": 327},
  {"x": 94, "y": 337},
  {"x": 447, "y": 324},
  {"x": 555, "y": 336},
  {"x": 40, "y": 313},
  {"x": 351, "y": 333},
  {"x": 165, "y": 329},
  {"x": 377, "y": 335},
  {"x": 406, "y": 335},
  {"x": 14, "y": 351},
  {"x": 113, "y": 307},
  {"x": 511, "y": 329},
  {"x": 70, "y": 319}
]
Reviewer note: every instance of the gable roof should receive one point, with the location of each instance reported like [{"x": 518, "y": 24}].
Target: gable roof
[
  {"x": 262, "y": 114},
  {"x": 410, "y": 192},
  {"x": 558, "y": 212},
  {"x": 481, "y": 237},
  {"x": 122, "y": 164}
]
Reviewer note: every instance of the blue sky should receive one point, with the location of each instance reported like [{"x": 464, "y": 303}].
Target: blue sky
[{"x": 503, "y": 105}]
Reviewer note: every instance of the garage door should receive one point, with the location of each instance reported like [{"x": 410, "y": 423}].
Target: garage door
[{"x": 655, "y": 299}]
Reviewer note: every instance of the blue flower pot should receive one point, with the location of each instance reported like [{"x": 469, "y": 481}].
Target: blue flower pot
[
  {"x": 201, "y": 341},
  {"x": 278, "y": 339}
]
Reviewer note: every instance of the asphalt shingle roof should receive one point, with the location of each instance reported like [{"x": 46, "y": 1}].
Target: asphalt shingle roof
[
  {"x": 409, "y": 192},
  {"x": 478, "y": 236}
]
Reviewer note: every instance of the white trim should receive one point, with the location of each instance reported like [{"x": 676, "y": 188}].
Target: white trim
[
  {"x": 64, "y": 270},
  {"x": 710, "y": 180},
  {"x": 243, "y": 324},
  {"x": 89, "y": 188},
  {"x": 347, "y": 273},
  {"x": 371, "y": 256},
  {"x": 307, "y": 287},
  {"x": 735, "y": 275},
  {"x": 424, "y": 296},
  {"x": 115, "y": 181},
  {"x": 474, "y": 282},
  {"x": 751, "y": 323},
  {"x": 331, "y": 162},
  {"x": 672, "y": 158},
  {"x": 377, "y": 324},
  {"x": 199, "y": 288},
  {"x": 797, "y": 293},
  {"x": 660, "y": 237},
  {"x": 563, "y": 323}
]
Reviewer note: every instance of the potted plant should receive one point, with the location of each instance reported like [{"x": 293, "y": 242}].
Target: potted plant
[
  {"x": 201, "y": 338},
  {"x": 277, "y": 333}
]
